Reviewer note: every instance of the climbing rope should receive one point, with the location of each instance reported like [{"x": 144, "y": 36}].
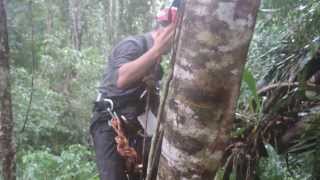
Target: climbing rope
[
  {"x": 123, "y": 147},
  {"x": 156, "y": 139}
]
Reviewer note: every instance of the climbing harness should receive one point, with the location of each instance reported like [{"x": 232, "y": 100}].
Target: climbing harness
[{"x": 133, "y": 162}]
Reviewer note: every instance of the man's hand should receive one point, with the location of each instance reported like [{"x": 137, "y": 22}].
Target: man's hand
[
  {"x": 163, "y": 39},
  {"x": 132, "y": 72}
]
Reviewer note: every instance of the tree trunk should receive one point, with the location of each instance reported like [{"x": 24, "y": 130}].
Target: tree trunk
[
  {"x": 49, "y": 21},
  {"x": 7, "y": 146},
  {"x": 110, "y": 20},
  {"x": 76, "y": 22},
  {"x": 105, "y": 28},
  {"x": 212, "y": 52},
  {"x": 115, "y": 20}
]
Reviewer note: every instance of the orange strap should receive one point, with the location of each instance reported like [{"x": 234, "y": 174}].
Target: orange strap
[{"x": 123, "y": 147}]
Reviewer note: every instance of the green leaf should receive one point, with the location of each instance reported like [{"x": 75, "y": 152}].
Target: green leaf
[{"x": 250, "y": 81}]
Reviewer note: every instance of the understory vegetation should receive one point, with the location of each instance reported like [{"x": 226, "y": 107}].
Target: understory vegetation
[{"x": 277, "y": 128}]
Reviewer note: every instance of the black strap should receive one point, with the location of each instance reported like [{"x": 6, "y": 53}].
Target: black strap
[{"x": 121, "y": 101}]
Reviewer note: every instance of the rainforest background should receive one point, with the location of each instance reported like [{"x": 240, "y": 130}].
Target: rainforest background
[{"x": 58, "y": 49}]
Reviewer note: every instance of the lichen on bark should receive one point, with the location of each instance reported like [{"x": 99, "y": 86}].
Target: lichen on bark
[{"x": 215, "y": 36}]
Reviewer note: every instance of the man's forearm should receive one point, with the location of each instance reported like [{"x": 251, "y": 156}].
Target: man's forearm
[{"x": 132, "y": 72}]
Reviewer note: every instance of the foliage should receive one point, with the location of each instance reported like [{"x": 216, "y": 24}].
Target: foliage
[
  {"x": 280, "y": 33},
  {"x": 253, "y": 99},
  {"x": 73, "y": 163},
  {"x": 57, "y": 114},
  {"x": 307, "y": 149},
  {"x": 283, "y": 50},
  {"x": 274, "y": 167},
  {"x": 65, "y": 79}
]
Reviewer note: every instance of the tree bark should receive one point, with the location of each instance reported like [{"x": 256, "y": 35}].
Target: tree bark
[
  {"x": 109, "y": 20},
  {"x": 76, "y": 23},
  {"x": 7, "y": 146},
  {"x": 212, "y": 52},
  {"x": 115, "y": 21},
  {"x": 49, "y": 21}
]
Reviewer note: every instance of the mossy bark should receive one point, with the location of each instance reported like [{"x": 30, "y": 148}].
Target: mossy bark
[{"x": 212, "y": 52}]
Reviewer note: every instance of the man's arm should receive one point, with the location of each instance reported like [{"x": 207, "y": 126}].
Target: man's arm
[{"x": 132, "y": 72}]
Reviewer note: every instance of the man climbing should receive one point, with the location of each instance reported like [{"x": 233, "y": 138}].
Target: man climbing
[{"x": 132, "y": 64}]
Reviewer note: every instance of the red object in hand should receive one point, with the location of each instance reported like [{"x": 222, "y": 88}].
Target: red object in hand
[{"x": 167, "y": 16}]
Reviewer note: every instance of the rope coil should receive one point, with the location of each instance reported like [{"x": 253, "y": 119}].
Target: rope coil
[{"x": 123, "y": 147}]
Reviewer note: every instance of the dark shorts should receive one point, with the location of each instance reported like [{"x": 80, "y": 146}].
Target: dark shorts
[{"x": 111, "y": 165}]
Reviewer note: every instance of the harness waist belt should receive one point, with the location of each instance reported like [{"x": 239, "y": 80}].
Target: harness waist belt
[{"x": 120, "y": 101}]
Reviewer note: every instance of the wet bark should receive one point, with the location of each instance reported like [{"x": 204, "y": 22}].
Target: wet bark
[
  {"x": 7, "y": 146},
  {"x": 212, "y": 51}
]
